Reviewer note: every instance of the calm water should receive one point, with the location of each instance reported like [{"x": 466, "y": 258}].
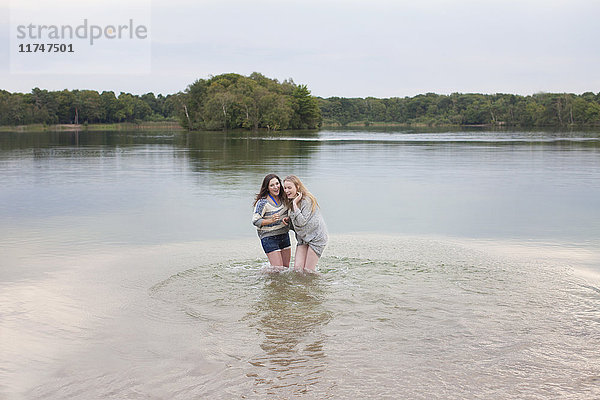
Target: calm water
[{"x": 461, "y": 265}]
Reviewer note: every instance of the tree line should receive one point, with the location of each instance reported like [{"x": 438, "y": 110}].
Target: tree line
[
  {"x": 222, "y": 102},
  {"x": 83, "y": 106},
  {"x": 233, "y": 101},
  {"x": 541, "y": 109}
]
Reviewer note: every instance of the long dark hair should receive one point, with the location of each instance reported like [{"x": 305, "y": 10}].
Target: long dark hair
[{"x": 264, "y": 190}]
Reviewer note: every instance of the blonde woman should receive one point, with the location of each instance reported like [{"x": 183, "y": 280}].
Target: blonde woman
[{"x": 307, "y": 222}]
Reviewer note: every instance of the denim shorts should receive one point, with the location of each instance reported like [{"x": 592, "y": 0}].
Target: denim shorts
[{"x": 274, "y": 243}]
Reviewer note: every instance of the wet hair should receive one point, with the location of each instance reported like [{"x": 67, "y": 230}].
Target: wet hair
[
  {"x": 264, "y": 190},
  {"x": 302, "y": 189}
]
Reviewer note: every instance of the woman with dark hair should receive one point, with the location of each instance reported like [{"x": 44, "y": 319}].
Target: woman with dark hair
[
  {"x": 307, "y": 222},
  {"x": 270, "y": 209}
]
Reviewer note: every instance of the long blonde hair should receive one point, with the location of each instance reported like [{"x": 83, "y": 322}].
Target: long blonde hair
[{"x": 302, "y": 189}]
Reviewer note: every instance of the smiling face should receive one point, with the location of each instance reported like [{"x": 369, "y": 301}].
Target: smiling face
[
  {"x": 274, "y": 187},
  {"x": 290, "y": 189}
]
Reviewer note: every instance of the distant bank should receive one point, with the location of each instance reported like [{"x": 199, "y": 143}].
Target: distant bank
[{"x": 256, "y": 102}]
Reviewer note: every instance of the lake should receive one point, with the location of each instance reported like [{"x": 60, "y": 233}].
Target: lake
[{"x": 461, "y": 264}]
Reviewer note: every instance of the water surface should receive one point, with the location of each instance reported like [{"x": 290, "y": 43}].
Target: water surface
[{"x": 461, "y": 265}]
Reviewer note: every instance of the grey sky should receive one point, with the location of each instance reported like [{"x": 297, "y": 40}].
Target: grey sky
[{"x": 359, "y": 48}]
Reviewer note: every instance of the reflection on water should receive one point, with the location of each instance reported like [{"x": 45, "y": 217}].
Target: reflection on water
[
  {"x": 289, "y": 315},
  {"x": 236, "y": 151},
  {"x": 267, "y": 326}
]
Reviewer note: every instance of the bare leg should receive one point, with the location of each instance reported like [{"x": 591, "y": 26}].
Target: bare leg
[
  {"x": 310, "y": 265},
  {"x": 286, "y": 255},
  {"x": 300, "y": 257},
  {"x": 275, "y": 259}
]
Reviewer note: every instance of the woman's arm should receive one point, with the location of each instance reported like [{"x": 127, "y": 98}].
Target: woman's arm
[
  {"x": 259, "y": 219},
  {"x": 270, "y": 220},
  {"x": 301, "y": 212},
  {"x": 259, "y": 212}
]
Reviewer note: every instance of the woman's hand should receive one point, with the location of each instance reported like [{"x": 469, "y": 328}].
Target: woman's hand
[
  {"x": 274, "y": 218},
  {"x": 297, "y": 199},
  {"x": 286, "y": 220}
]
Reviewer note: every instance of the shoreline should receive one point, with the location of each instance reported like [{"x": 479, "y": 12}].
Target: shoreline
[
  {"x": 121, "y": 126},
  {"x": 175, "y": 126}
]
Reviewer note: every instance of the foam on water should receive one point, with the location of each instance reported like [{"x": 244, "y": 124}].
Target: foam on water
[
  {"x": 438, "y": 137},
  {"x": 387, "y": 316}
]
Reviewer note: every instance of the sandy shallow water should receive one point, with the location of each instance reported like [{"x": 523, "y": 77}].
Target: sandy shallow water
[{"x": 388, "y": 316}]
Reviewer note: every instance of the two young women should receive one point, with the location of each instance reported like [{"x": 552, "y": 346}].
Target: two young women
[{"x": 281, "y": 206}]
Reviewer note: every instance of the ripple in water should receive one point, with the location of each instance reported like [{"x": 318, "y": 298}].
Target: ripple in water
[
  {"x": 386, "y": 317},
  {"x": 469, "y": 326}
]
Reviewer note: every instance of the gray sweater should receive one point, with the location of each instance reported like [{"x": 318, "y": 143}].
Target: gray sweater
[{"x": 307, "y": 224}]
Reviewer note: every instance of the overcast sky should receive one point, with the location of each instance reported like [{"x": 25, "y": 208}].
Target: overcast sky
[{"x": 356, "y": 48}]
